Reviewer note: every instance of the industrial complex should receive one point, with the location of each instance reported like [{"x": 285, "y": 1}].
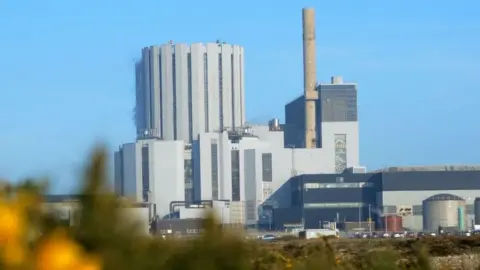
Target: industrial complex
[{"x": 195, "y": 151}]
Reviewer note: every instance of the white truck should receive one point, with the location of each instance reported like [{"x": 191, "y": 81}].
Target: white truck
[{"x": 318, "y": 233}]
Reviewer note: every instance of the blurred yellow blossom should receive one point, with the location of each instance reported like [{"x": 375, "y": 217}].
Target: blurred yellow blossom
[
  {"x": 12, "y": 222},
  {"x": 58, "y": 252},
  {"x": 14, "y": 253}
]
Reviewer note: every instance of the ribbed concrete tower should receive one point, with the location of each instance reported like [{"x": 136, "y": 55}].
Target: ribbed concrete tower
[
  {"x": 187, "y": 89},
  {"x": 309, "y": 76}
]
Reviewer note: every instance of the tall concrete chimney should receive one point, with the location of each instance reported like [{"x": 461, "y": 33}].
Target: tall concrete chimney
[{"x": 309, "y": 76}]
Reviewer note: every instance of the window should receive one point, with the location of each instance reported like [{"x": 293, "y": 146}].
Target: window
[
  {"x": 235, "y": 154},
  {"x": 214, "y": 161},
  {"x": 145, "y": 173},
  {"x": 187, "y": 168},
  {"x": 251, "y": 209},
  {"x": 337, "y": 185},
  {"x": 389, "y": 209},
  {"x": 417, "y": 210},
  {"x": 340, "y": 141},
  {"x": 267, "y": 167},
  {"x": 334, "y": 205}
]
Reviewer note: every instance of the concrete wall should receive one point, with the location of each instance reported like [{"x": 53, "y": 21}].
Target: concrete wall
[
  {"x": 167, "y": 181},
  {"x": 184, "y": 90},
  {"x": 350, "y": 129},
  {"x": 164, "y": 175},
  {"x": 129, "y": 172}
]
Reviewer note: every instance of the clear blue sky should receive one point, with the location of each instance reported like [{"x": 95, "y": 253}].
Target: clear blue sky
[{"x": 67, "y": 79}]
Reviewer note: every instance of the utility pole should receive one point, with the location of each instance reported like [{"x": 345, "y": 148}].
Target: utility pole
[
  {"x": 370, "y": 218},
  {"x": 360, "y": 217}
]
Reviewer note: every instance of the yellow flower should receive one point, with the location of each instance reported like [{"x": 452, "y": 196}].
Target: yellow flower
[
  {"x": 13, "y": 254},
  {"x": 58, "y": 252},
  {"x": 12, "y": 223},
  {"x": 289, "y": 265}
]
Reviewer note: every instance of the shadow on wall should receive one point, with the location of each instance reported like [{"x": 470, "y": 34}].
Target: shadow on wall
[{"x": 284, "y": 197}]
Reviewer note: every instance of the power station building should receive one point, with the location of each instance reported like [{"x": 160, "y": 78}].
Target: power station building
[
  {"x": 336, "y": 119},
  {"x": 194, "y": 147},
  {"x": 193, "y": 144},
  {"x": 424, "y": 198},
  {"x": 183, "y": 90},
  {"x": 248, "y": 166},
  {"x": 154, "y": 171}
]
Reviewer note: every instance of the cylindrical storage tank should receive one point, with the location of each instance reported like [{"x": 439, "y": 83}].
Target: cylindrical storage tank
[
  {"x": 477, "y": 211},
  {"x": 443, "y": 211},
  {"x": 393, "y": 223}
]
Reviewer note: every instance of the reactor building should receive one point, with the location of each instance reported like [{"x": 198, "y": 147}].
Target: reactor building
[
  {"x": 193, "y": 144},
  {"x": 184, "y": 90},
  {"x": 195, "y": 150}
]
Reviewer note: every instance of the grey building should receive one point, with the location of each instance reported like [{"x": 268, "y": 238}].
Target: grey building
[
  {"x": 336, "y": 122},
  {"x": 346, "y": 197},
  {"x": 399, "y": 191},
  {"x": 337, "y": 104},
  {"x": 409, "y": 189},
  {"x": 183, "y": 90}
]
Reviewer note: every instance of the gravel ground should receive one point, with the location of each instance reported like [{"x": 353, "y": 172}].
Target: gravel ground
[{"x": 464, "y": 262}]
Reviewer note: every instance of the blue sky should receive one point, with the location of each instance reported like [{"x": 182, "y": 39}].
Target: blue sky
[{"x": 67, "y": 78}]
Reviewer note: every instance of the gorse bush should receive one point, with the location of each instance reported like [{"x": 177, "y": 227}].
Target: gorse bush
[{"x": 31, "y": 239}]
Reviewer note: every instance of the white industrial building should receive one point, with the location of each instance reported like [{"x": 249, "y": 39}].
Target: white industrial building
[
  {"x": 249, "y": 166},
  {"x": 246, "y": 166},
  {"x": 153, "y": 171},
  {"x": 183, "y": 90}
]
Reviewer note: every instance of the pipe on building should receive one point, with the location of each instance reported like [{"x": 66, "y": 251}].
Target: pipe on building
[
  {"x": 309, "y": 76},
  {"x": 175, "y": 204}
]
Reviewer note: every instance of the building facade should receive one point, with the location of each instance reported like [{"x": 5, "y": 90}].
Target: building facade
[
  {"x": 409, "y": 189},
  {"x": 183, "y": 90},
  {"x": 356, "y": 197},
  {"x": 250, "y": 167},
  {"x": 154, "y": 171},
  {"x": 336, "y": 122}
]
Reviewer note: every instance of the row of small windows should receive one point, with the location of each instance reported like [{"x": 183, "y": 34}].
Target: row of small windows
[
  {"x": 334, "y": 205},
  {"x": 416, "y": 210},
  {"x": 337, "y": 185}
]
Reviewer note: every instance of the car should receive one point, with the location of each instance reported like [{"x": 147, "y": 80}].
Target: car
[
  {"x": 410, "y": 235},
  {"x": 268, "y": 237}
]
